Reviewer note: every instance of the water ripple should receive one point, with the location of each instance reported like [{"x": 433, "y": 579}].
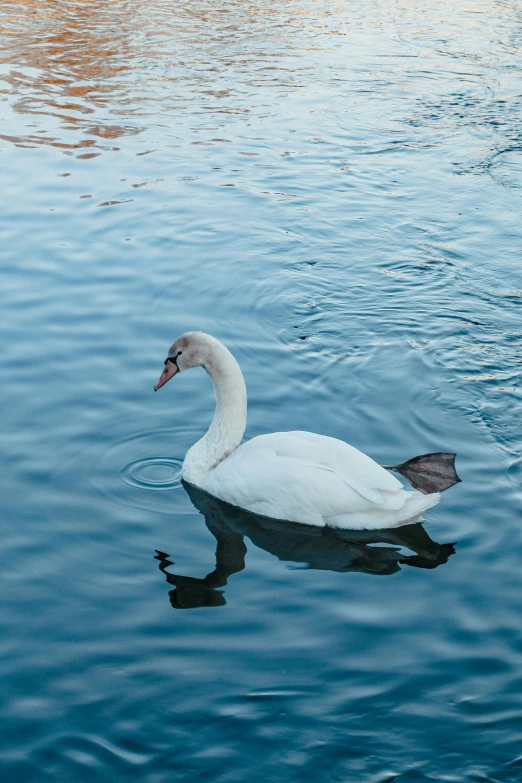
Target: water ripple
[{"x": 155, "y": 473}]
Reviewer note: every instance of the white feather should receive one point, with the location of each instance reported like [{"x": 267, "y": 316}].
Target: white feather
[{"x": 315, "y": 480}]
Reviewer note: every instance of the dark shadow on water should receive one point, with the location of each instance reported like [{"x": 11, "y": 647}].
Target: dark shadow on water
[{"x": 313, "y": 547}]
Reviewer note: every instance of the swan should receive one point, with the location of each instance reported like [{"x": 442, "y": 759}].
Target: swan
[{"x": 294, "y": 476}]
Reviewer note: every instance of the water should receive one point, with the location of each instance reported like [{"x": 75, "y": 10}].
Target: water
[{"x": 334, "y": 190}]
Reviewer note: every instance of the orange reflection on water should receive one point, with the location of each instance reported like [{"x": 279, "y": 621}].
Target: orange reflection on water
[
  {"x": 95, "y": 67},
  {"x": 68, "y": 60}
]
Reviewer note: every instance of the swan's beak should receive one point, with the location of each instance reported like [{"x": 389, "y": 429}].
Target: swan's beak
[{"x": 169, "y": 372}]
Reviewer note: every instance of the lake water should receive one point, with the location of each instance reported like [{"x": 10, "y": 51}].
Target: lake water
[{"x": 334, "y": 189}]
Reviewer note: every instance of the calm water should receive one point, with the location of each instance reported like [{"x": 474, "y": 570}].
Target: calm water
[{"x": 334, "y": 189}]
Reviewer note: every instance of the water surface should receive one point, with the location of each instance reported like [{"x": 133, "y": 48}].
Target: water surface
[{"x": 333, "y": 189}]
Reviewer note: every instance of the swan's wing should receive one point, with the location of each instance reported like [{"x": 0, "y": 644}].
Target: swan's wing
[
  {"x": 282, "y": 488},
  {"x": 303, "y": 477},
  {"x": 353, "y": 467}
]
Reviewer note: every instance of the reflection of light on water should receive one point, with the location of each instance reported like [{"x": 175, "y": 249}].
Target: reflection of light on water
[
  {"x": 96, "y": 72},
  {"x": 95, "y": 61}
]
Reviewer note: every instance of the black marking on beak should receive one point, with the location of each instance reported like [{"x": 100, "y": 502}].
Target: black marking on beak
[{"x": 173, "y": 359}]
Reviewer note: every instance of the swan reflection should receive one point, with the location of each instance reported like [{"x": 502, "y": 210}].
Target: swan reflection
[{"x": 313, "y": 547}]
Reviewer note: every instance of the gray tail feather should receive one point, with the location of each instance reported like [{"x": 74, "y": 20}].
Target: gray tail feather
[{"x": 428, "y": 473}]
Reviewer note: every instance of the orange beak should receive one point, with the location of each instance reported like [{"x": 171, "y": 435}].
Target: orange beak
[{"x": 169, "y": 372}]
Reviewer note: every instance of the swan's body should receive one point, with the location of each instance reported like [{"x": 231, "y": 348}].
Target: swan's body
[
  {"x": 315, "y": 480},
  {"x": 295, "y": 476}
]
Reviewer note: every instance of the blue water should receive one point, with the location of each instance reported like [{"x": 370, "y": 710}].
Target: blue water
[{"x": 334, "y": 190}]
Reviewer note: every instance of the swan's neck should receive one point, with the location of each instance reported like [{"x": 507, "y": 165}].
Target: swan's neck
[{"x": 228, "y": 425}]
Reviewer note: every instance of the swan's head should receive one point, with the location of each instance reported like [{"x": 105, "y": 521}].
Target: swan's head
[{"x": 192, "y": 349}]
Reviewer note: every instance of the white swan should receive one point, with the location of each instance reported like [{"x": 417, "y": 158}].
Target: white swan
[{"x": 295, "y": 476}]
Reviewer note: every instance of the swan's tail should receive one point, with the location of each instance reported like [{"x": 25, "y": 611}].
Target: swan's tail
[{"x": 417, "y": 503}]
